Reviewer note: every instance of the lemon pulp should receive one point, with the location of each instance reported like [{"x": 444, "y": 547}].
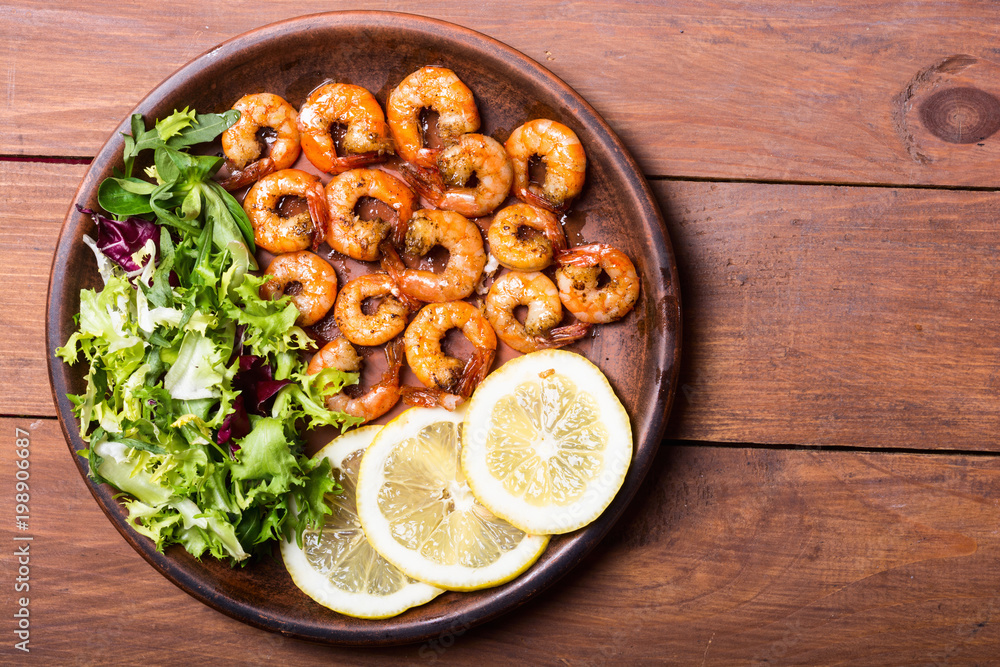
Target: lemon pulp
[
  {"x": 420, "y": 514},
  {"x": 546, "y": 441},
  {"x": 430, "y": 508}
]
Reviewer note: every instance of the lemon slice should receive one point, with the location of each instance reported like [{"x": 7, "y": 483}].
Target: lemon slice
[
  {"x": 419, "y": 513},
  {"x": 336, "y": 566},
  {"x": 546, "y": 442}
]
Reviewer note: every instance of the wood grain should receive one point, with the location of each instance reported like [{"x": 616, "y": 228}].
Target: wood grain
[
  {"x": 35, "y": 197},
  {"x": 726, "y": 90},
  {"x": 837, "y": 316},
  {"x": 729, "y": 555},
  {"x": 813, "y": 315}
]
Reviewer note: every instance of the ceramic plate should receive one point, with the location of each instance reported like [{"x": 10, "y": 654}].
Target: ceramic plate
[{"x": 376, "y": 50}]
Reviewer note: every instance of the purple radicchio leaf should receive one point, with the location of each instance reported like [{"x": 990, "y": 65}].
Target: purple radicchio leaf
[
  {"x": 256, "y": 382},
  {"x": 236, "y": 425},
  {"x": 257, "y": 386},
  {"x": 120, "y": 239}
]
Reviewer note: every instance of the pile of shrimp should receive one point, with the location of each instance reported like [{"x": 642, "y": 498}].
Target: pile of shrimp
[{"x": 432, "y": 191}]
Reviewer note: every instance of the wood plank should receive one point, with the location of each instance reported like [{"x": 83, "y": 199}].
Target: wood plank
[
  {"x": 813, "y": 315},
  {"x": 728, "y": 555},
  {"x": 722, "y": 89},
  {"x": 35, "y": 196},
  {"x": 837, "y": 316}
]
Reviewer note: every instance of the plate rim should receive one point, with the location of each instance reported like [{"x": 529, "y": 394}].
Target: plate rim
[{"x": 535, "y": 580}]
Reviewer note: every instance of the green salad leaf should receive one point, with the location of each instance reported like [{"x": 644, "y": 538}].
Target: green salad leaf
[
  {"x": 184, "y": 187},
  {"x": 168, "y": 346}
]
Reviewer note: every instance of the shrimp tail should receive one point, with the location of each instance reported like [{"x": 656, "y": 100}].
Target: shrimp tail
[
  {"x": 412, "y": 304},
  {"x": 556, "y": 237},
  {"x": 392, "y": 263},
  {"x": 426, "y": 181},
  {"x": 541, "y": 201},
  {"x": 394, "y": 359},
  {"x": 475, "y": 371},
  {"x": 428, "y": 157},
  {"x": 399, "y": 229},
  {"x": 424, "y": 397},
  {"x": 582, "y": 256},
  {"x": 561, "y": 336},
  {"x": 319, "y": 212},
  {"x": 358, "y": 160},
  {"x": 253, "y": 172}
]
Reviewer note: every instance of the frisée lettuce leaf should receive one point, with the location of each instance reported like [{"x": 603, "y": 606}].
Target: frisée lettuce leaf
[{"x": 196, "y": 394}]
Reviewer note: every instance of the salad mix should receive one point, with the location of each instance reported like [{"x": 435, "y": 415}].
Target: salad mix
[{"x": 196, "y": 394}]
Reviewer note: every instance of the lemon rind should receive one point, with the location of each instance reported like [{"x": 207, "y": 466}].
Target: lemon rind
[{"x": 357, "y": 605}]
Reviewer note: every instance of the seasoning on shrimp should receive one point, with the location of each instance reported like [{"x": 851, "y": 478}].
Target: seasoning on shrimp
[
  {"x": 347, "y": 233},
  {"x": 473, "y": 154},
  {"x": 564, "y": 159},
  {"x": 366, "y": 139},
  {"x": 380, "y": 398},
  {"x": 514, "y": 243},
  {"x": 466, "y": 257},
  {"x": 436, "y": 88},
  {"x": 277, "y": 233},
  {"x": 539, "y": 330},
  {"x": 437, "y": 370},
  {"x": 241, "y": 145},
  {"x": 389, "y": 318},
  {"x": 578, "y": 275},
  {"x": 307, "y": 279}
]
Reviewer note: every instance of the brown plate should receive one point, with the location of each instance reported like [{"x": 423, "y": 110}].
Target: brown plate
[{"x": 639, "y": 354}]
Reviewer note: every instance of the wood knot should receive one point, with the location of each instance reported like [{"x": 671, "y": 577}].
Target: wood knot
[{"x": 961, "y": 115}]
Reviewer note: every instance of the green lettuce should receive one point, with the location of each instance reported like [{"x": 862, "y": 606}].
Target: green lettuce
[{"x": 164, "y": 344}]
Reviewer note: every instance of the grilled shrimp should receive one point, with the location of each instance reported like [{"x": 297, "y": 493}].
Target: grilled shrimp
[
  {"x": 388, "y": 320},
  {"x": 577, "y": 277},
  {"x": 466, "y": 259},
  {"x": 472, "y": 154},
  {"x": 380, "y": 398},
  {"x": 439, "y": 89},
  {"x": 347, "y": 232},
  {"x": 241, "y": 146},
  {"x": 539, "y": 330},
  {"x": 432, "y": 366},
  {"x": 565, "y": 163},
  {"x": 516, "y": 249},
  {"x": 276, "y": 233},
  {"x": 367, "y": 137},
  {"x": 307, "y": 279}
]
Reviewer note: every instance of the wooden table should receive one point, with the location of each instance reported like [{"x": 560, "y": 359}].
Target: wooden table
[{"x": 829, "y": 489}]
